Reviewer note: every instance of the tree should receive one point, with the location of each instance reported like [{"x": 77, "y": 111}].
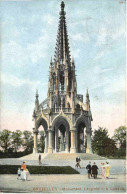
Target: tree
[
  {"x": 102, "y": 144},
  {"x": 5, "y": 139},
  {"x": 17, "y": 140},
  {"x": 28, "y": 141},
  {"x": 41, "y": 142},
  {"x": 120, "y": 136}
]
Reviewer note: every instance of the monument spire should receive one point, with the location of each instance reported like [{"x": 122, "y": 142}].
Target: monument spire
[{"x": 62, "y": 52}]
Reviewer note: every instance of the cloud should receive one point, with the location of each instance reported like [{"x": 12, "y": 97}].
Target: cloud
[
  {"x": 99, "y": 55},
  {"x": 16, "y": 55},
  {"x": 49, "y": 19},
  {"x": 75, "y": 52},
  {"x": 16, "y": 82}
]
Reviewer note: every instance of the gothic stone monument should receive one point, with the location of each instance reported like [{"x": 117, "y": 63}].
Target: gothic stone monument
[{"x": 65, "y": 118}]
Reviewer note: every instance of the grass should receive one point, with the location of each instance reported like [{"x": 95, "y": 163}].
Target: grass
[{"x": 12, "y": 169}]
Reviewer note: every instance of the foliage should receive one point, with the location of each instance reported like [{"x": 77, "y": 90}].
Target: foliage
[
  {"x": 28, "y": 141},
  {"x": 5, "y": 140},
  {"x": 12, "y": 169},
  {"x": 17, "y": 140},
  {"x": 120, "y": 136},
  {"x": 41, "y": 142},
  {"x": 102, "y": 144},
  {"x": 15, "y": 144}
]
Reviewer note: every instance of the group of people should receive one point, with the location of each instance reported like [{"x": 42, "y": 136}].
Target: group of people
[
  {"x": 93, "y": 170},
  {"x": 23, "y": 172}
]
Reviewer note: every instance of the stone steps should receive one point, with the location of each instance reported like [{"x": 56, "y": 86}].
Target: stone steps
[
  {"x": 68, "y": 156},
  {"x": 33, "y": 156}
]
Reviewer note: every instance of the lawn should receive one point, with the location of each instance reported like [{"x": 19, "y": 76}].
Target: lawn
[{"x": 12, "y": 169}]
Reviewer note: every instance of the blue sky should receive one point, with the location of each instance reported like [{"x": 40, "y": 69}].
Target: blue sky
[{"x": 96, "y": 32}]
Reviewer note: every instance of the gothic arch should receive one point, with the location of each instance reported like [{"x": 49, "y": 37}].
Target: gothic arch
[
  {"x": 83, "y": 120},
  {"x": 59, "y": 121},
  {"x": 43, "y": 122}
]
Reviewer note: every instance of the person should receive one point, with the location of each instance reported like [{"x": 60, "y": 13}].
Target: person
[
  {"x": 23, "y": 174},
  {"x": 19, "y": 174},
  {"x": 88, "y": 167},
  {"x": 23, "y": 165},
  {"x": 94, "y": 170},
  {"x": 78, "y": 162},
  {"x": 107, "y": 166},
  {"x": 27, "y": 173},
  {"x": 39, "y": 158},
  {"x": 103, "y": 170}
]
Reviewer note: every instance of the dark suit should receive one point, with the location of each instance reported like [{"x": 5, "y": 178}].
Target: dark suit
[
  {"x": 94, "y": 170},
  {"x": 88, "y": 167}
]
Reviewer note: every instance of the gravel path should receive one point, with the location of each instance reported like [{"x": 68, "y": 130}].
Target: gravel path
[{"x": 63, "y": 183}]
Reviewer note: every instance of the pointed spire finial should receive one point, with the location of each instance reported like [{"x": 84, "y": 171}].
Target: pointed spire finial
[
  {"x": 62, "y": 6},
  {"x": 87, "y": 94},
  {"x": 36, "y": 93},
  {"x": 51, "y": 61}
]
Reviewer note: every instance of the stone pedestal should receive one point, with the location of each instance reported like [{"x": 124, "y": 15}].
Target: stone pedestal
[
  {"x": 50, "y": 148},
  {"x": 73, "y": 141}
]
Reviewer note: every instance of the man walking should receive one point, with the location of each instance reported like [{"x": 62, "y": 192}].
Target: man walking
[
  {"x": 88, "y": 167},
  {"x": 78, "y": 162},
  {"x": 94, "y": 170},
  {"x": 39, "y": 159}
]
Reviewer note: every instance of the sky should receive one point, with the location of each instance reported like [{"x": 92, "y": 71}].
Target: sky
[{"x": 96, "y": 30}]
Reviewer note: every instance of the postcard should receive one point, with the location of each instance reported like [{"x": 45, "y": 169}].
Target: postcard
[{"x": 63, "y": 113}]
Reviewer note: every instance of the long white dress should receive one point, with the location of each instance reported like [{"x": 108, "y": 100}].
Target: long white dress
[{"x": 23, "y": 175}]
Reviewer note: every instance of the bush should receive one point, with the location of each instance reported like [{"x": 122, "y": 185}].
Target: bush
[{"x": 12, "y": 169}]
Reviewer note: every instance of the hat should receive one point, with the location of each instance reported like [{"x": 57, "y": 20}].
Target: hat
[{"x": 24, "y": 161}]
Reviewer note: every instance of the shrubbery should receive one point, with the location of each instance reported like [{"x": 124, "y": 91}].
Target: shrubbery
[{"x": 12, "y": 169}]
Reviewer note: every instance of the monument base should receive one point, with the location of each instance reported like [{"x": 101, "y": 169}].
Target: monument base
[
  {"x": 35, "y": 150},
  {"x": 73, "y": 150}
]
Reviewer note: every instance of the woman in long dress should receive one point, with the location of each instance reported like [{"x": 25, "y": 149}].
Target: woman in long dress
[
  {"x": 23, "y": 174},
  {"x": 103, "y": 170}
]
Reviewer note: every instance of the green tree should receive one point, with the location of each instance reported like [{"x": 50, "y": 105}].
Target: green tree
[
  {"x": 102, "y": 144},
  {"x": 17, "y": 140},
  {"x": 28, "y": 141},
  {"x": 5, "y": 139},
  {"x": 41, "y": 142},
  {"x": 120, "y": 136}
]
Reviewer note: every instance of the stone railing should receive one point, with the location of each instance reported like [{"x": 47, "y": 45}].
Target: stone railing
[{"x": 59, "y": 109}]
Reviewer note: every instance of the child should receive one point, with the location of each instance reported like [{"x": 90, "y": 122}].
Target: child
[{"x": 19, "y": 174}]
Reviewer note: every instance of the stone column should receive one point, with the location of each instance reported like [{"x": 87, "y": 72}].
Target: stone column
[
  {"x": 46, "y": 142},
  {"x": 56, "y": 140},
  {"x": 50, "y": 148},
  {"x": 76, "y": 140},
  {"x": 73, "y": 140},
  {"x": 62, "y": 142},
  {"x": 67, "y": 141},
  {"x": 35, "y": 141},
  {"x": 88, "y": 148}
]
